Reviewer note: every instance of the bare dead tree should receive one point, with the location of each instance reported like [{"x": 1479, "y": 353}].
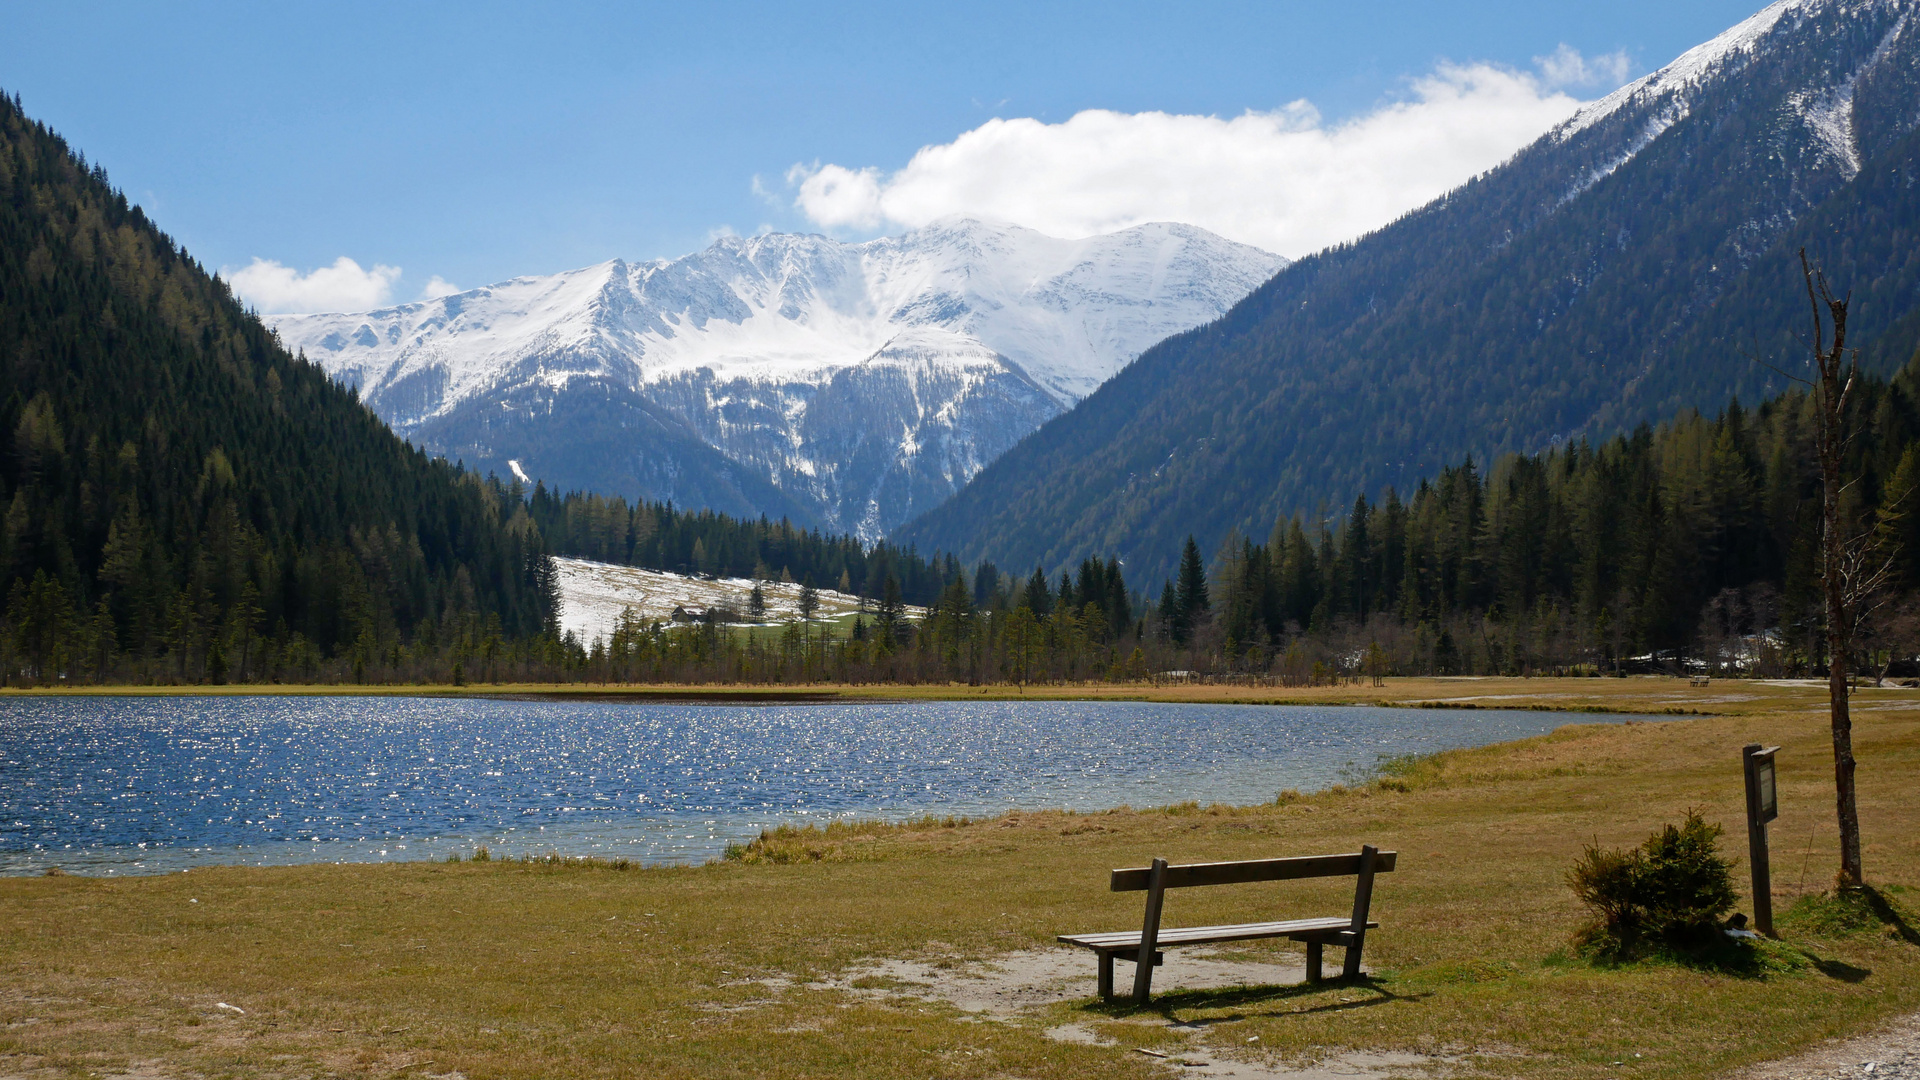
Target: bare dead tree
[{"x": 1849, "y": 569}]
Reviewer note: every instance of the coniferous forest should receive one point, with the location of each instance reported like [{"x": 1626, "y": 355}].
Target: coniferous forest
[
  {"x": 185, "y": 502},
  {"x": 1693, "y": 546}
]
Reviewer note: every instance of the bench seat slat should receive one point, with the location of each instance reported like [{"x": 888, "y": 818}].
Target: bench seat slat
[
  {"x": 1187, "y": 875},
  {"x": 1195, "y": 935}
]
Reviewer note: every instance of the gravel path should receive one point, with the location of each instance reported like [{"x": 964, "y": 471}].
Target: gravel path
[{"x": 1892, "y": 1053}]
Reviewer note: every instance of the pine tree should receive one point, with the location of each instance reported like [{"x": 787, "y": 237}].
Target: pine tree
[
  {"x": 891, "y": 620},
  {"x": 986, "y": 585},
  {"x": 1192, "y": 594},
  {"x": 1119, "y": 607},
  {"x": 809, "y": 599},
  {"x": 1038, "y": 598}
]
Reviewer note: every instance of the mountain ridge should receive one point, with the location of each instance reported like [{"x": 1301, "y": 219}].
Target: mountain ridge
[
  {"x": 846, "y": 385},
  {"x": 1627, "y": 264}
]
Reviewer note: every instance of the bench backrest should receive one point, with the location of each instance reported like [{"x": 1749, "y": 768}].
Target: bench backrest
[
  {"x": 1187, "y": 875},
  {"x": 1161, "y": 876}
]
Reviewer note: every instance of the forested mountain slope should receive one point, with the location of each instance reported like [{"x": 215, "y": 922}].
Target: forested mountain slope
[
  {"x": 183, "y": 498},
  {"x": 1634, "y": 261}
]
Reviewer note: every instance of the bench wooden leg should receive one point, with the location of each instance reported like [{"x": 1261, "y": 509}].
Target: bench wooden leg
[
  {"x": 1313, "y": 961},
  {"x": 1149, "y": 933},
  {"x": 1355, "y": 939},
  {"x": 1351, "y": 969},
  {"x": 1106, "y": 960}
]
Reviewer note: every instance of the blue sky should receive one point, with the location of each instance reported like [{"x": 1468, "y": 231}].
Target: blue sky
[{"x": 475, "y": 142}]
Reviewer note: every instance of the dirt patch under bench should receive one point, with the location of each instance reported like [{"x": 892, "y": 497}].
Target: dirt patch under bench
[{"x": 1017, "y": 986}]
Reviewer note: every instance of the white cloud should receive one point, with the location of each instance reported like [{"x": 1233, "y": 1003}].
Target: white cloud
[
  {"x": 274, "y": 289},
  {"x": 438, "y": 287},
  {"x": 1282, "y": 180},
  {"x": 1566, "y": 67},
  {"x": 835, "y": 196}
]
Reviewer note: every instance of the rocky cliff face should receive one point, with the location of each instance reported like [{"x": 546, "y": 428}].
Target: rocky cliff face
[{"x": 850, "y": 386}]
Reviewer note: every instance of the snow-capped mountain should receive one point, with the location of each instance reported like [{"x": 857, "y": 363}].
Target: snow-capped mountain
[
  {"x": 849, "y": 385},
  {"x": 1632, "y": 262}
]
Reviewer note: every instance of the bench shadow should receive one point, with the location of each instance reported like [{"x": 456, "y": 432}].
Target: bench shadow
[
  {"x": 1837, "y": 969},
  {"x": 1250, "y": 997}
]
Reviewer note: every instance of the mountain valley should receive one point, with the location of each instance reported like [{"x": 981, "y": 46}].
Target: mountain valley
[
  {"x": 847, "y": 386},
  {"x": 1637, "y": 260}
]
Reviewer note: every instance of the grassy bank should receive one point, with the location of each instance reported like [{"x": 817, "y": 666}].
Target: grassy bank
[{"x": 538, "y": 969}]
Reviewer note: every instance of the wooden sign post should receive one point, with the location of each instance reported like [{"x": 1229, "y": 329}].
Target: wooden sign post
[{"x": 1763, "y": 805}]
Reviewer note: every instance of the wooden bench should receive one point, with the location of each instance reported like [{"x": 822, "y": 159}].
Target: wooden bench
[{"x": 1143, "y": 946}]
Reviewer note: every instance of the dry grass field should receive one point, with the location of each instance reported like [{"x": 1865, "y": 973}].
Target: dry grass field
[{"x": 789, "y": 962}]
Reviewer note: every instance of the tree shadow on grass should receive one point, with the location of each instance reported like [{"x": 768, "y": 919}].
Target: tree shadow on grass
[{"x": 1890, "y": 916}]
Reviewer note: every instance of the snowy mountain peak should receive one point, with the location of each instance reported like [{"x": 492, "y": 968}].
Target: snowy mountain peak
[
  {"x": 1688, "y": 69},
  {"x": 1734, "y": 49},
  {"x": 952, "y": 342}
]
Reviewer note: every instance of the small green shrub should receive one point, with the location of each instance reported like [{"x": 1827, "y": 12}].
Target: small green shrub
[
  {"x": 1686, "y": 888},
  {"x": 1607, "y": 880},
  {"x": 481, "y": 854},
  {"x": 1671, "y": 891}
]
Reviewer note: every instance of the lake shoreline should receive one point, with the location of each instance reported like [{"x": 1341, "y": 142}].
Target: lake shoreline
[
  {"x": 568, "y": 968},
  {"x": 1633, "y": 695}
]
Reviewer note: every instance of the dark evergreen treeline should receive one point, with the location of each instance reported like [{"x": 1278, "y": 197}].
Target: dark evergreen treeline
[
  {"x": 184, "y": 500},
  {"x": 1694, "y": 540},
  {"x": 660, "y": 537}
]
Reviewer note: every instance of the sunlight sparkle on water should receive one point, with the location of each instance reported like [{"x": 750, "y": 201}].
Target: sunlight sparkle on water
[{"x": 146, "y": 785}]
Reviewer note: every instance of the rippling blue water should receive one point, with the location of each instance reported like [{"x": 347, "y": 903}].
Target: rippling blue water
[{"x": 143, "y": 785}]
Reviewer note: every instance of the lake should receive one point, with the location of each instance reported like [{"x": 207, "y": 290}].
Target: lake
[{"x": 148, "y": 785}]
